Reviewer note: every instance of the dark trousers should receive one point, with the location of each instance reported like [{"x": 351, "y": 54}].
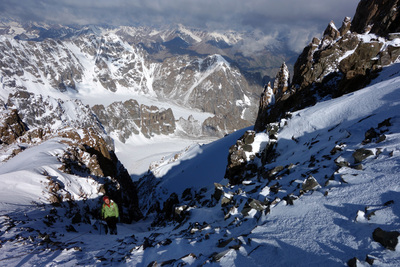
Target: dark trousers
[{"x": 112, "y": 225}]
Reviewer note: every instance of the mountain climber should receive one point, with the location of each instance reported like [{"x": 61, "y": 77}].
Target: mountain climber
[{"x": 109, "y": 213}]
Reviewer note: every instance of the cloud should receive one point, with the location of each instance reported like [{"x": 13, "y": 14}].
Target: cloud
[
  {"x": 257, "y": 42},
  {"x": 268, "y": 16},
  {"x": 300, "y": 37}
]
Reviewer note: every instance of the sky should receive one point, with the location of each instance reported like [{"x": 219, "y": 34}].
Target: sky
[{"x": 302, "y": 19}]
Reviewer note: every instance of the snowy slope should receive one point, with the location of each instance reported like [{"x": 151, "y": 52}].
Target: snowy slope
[
  {"x": 27, "y": 174},
  {"x": 326, "y": 226},
  {"x": 139, "y": 153},
  {"x": 196, "y": 166}
]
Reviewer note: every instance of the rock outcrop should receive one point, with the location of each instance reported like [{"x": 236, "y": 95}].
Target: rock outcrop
[
  {"x": 129, "y": 118},
  {"x": 11, "y": 127},
  {"x": 219, "y": 125},
  {"x": 387, "y": 239},
  {"x": 88, "y": 153},
  {"x": 238, "y": 159},
  {"x": 282, "y": 82},
  {"x": 380, "y": 17},
  {"x": 344, "y": 60},
  {"x": 272, "y": 95}
]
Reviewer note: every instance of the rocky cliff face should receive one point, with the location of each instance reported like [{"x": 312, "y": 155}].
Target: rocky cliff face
[
  {"x": 210, "y": 84},
  {"x": 129, "y": 118},
  {"x": 378, "y": 17},
  {"x": 344, "y": 60}
]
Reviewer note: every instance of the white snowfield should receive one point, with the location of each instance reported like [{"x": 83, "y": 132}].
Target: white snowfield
[{"x": 324, "y": 227}]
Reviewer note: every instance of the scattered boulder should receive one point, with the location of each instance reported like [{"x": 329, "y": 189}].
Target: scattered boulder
[
  {"x": 248, "y": 137},
  {"x": 181, "y": 213},
  {"x": 55, "y": 199},
  {"x": 219, "y": 256},
  {"x": 268, "y": 155},
  {"x": 381, "y": 138},
  {"x": 373, "y": 135},
  {"x": 224, "y": 243},
  {"x": 387, "y": 239},
  {"x": 359, "y": 167},
  {"x": 289, "y": 199},
  {"x": 187, "y": 194},
  {"x": 77, "y": 218},
  {"x": 275, "y": 170},
  {"x": 226, "y": 200},
  {"x": 360, "y": 154},
  {"x": 369, "y": 135},
  {"x": 369, "y": 259},
  {"x": 353, "y": 262},
  {"x": 310, "y": 184},
  {"x": 385, "y": 123},
  {"x": 189, "y": 257},
  {"x": 169, "y": 205},
  {"x": 218, "y": 191},
  {"x": 253, "y": 204},
  {"x": 275, "y": 188}
]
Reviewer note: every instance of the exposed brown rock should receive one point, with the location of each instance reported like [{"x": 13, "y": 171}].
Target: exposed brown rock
[
  {"x": 11, "y": 127},
  {"x": 377, "y": 16}
]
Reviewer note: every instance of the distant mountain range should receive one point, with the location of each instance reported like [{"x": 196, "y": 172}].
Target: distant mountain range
[{"x": 193, "y": 69}]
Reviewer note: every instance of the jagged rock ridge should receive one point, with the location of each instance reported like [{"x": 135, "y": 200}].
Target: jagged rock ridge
[{"x": 344, "y": 60}]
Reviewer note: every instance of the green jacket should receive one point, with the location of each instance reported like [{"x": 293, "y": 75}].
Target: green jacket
[{"x": 109, "y": 211}]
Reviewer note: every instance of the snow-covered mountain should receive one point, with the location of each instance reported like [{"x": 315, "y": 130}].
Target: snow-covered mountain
[
  {"x": 101, "y": 65},
  {"x": 315, "y": 183}
]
